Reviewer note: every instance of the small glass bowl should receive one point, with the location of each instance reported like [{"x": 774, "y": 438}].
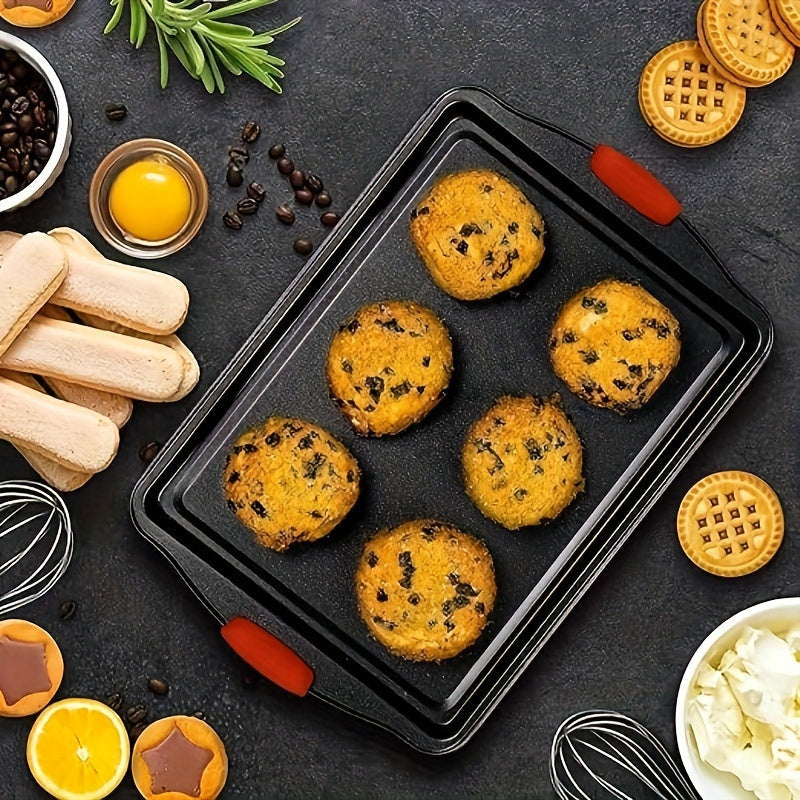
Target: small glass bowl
[{"x": 122, "y": 157}]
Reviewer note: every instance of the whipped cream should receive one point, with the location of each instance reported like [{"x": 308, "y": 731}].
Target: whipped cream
[{"x": 745, "y": 713}]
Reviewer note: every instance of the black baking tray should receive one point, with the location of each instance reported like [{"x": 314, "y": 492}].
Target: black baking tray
[{"x": 306, "y": 597}]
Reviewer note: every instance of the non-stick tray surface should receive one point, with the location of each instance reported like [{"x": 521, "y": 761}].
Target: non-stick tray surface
[{"x": 501, "y": 347}]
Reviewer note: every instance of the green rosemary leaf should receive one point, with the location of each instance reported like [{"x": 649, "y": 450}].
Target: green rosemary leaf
[
  {"x": 163, "y": 58},
  {"x": 157, "y": 7},
  {"x": 224, "y": 58},
  {"x": 119, "y": 7},
  {"x": 212, "y": 65},
  {"x": 193, "y": 51},
  {"x": 240, "y": 7}
]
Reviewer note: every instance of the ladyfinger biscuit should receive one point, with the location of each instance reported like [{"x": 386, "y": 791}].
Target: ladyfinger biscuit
[
  {"x": 7, "y": 240},
  {"x": 142, "y": 299},
  {"x": 74, "y": 437},
  {"x": 61, "y": 478},
  {"x": 191, "y": 369},
  {"x": 99, "y": 359},
  {"x": 114, "y": 406},
  {"x": 31, "y": 272}
]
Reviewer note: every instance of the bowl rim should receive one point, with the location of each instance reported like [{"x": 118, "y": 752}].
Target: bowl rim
[
  {"x": 685, "y": 749},
  {"x": 36, "y": 59}
]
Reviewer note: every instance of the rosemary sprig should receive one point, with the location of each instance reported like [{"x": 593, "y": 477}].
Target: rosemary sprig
[{"x": 204, "y": 42}]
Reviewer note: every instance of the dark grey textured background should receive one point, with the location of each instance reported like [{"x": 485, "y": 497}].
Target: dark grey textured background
[{"x": 359, "y": 75}]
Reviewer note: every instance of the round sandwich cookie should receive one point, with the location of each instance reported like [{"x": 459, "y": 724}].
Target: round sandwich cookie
[
  {"x": 179, "y": 758},
  {"x": 522, "y": 461},
  {"x": 786, "y": 14},
  {"x": 614, "y": 344},
  {"x": 31, "y": 668},
  {"x": 388, "y": 366},
  {"x": 685, "y": 99},
  {"x": 290, "y": 481},
  {"x": 425, "y": 589},
  {"x": 730, "y": 523},
  {"x": 477, "y": 234},
  {"x": 742, "y": 39},
  {"x": 34, "y": 13}
]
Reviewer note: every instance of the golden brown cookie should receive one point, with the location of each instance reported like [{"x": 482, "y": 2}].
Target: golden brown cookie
[
  {"x": 179, "y": 758},
  {"x": 742, "y": 38},
  {"x": 786, "y": 14},
  {"x": 522, "y": 461},
  {"x": 614, "y": 344},
  {"x": 388, "y": 366},
  {"x": 684, "y": 98},
  {"x": 34, "y": 13},
  {"x": 730, "y": 523},
  {"x": 290, "y": 481},
  {"x": 425, "y": 589},
  {"x": 477, "y": 234},
  {"x": 31, "y": 668}
]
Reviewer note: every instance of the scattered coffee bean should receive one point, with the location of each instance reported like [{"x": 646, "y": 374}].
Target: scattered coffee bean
[
  {"x": 67, "y": 610},
  {"x": 297, "y": 178},
  {"x": 256, "y": 191},
  {"x": 137, "y": 730},
  {"x": 234, "y": 175},
  {"x": 323, "y": 199},
  {"x": 285, "y": 165},
  {"x": 304, "y": 197},
  {"x": 314, "y": 183},
  {"x": 232, "y": 220},
  {"x": 303, "y": 245},
  {"x": 115, "y": 701},
  {"x": 250, "y": 132},
  {"x": 247, "y": 206},
  {"x": 115, "y": 112},
  {"x": 239, "y": 155},
  {"x": 147, "y": 452},
  {"x": 329, "y": 219},
  {"x": 277, "y": 151},
  {"x": 136, "y": 713},
  {"x": 284, "y": 214},
  {"x": 158, "y": 686}
]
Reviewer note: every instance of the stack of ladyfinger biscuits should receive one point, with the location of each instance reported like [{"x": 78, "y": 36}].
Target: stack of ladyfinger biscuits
[{"x": 81, "y": 337}]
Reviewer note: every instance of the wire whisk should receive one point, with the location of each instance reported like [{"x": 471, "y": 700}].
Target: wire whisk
[
  {"x": 32, "y": 516},
  {"x": 592, "y": 742}
]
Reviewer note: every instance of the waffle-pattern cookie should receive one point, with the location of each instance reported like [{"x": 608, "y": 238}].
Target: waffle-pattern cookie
[
  {"x": 786, "y": 14},
  {"x": 685, "y": 99},
  {"x": 522, "y": 461},
  {"x": 742, "y": 39},
  {"x": 425, "y": 589},
  {"x": 290, "y": 481},
  {"x": 730, "y": 523}
]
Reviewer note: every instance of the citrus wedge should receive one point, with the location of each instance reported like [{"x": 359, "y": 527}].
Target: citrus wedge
[{"x": 78, "y": 750}]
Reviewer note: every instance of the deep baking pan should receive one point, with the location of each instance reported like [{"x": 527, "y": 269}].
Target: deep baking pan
[{"x": 294, "y": 616}]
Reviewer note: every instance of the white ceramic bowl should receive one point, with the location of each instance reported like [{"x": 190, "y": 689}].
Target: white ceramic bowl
[
  {"x": 776, "y": 615},
  {"x": 60, "y": 150}
]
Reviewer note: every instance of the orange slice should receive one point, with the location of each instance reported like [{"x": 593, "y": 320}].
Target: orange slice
[{"x": 78, "y": 750}]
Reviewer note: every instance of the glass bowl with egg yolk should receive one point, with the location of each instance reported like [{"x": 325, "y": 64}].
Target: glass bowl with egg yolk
[{"x": 148, "y": 198}]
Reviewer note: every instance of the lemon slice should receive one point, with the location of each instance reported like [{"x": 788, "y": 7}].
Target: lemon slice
[{"x": 78, "y": 750}]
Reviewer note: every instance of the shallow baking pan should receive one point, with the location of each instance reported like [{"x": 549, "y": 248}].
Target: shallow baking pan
[{"x": 294, "y": 616}]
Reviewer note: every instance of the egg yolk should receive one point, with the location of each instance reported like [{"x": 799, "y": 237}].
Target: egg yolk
[{"x": 150, "y": 200}]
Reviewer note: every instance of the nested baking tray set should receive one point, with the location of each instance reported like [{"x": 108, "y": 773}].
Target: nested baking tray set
[{"x": 294, "y": 616}]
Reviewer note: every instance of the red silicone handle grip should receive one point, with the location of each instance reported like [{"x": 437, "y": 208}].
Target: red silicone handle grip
[
  {"x": 632, "y": 183},
  {"x": 268, "y": 655}
]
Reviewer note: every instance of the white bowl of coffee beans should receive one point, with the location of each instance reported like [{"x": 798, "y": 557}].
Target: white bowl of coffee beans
[{"x": 35, "y": 127}]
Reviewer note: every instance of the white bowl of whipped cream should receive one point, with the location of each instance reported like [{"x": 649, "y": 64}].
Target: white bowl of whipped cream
[{"x": 737, "y": 717}]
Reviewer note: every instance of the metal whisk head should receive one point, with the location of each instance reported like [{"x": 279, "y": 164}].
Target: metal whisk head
[
  {"x": 35, "y": 527},
  {"x": 594, "y": 742}
]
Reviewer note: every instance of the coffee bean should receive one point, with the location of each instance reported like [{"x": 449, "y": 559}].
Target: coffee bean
[
  {"x": 147, "y": 452},
  {"x": 256, "y": 191},
  {"x": 234, "y": 175},
  {"x": 41, "y": 150},
  {"x": 8, "y": 139},
  {"x": 32, "y": 96},
  {"x": 136, "y": 713},
  {"x": 323, "y": 199},
  {"x": 11, "y": 184},
  {"x": 232, "y": 220},
  {"x": 67, "y": 610},
  {"x": 31, "y": 176},
  {"x": 304, "y": 197},
  {"x": 20, "y": 105},
  {"x": 115, "y": 701},
  {"x": 25, "y": 123},
  {"x": 40, "y": 115},
  {"x": 250, "y": 132},
  {"x": 239, "y": 155},
  {"x": 199, "y": 715},
  {"x": 12, "y": 159},
  {"x": 285, "y": 165},
  {"x": 137, "y": 730},
  {"x": 115, "y": 112},
  {"x": 297, "y": 178},
  {"x": 20, "y": 71},
  {"x": 329, "y": 219},
  {"x": 247, "y": 206},
  {"x": 303, "y": 245},
  {"x": 314, "y": 183},
  {"x": 277, "y": 151},
  {"x": 11, "y": 94},
  {"x": 158, "y": 686},
  {"x": 284, "y": 214},
  {"x": 7, "y": 126}
]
